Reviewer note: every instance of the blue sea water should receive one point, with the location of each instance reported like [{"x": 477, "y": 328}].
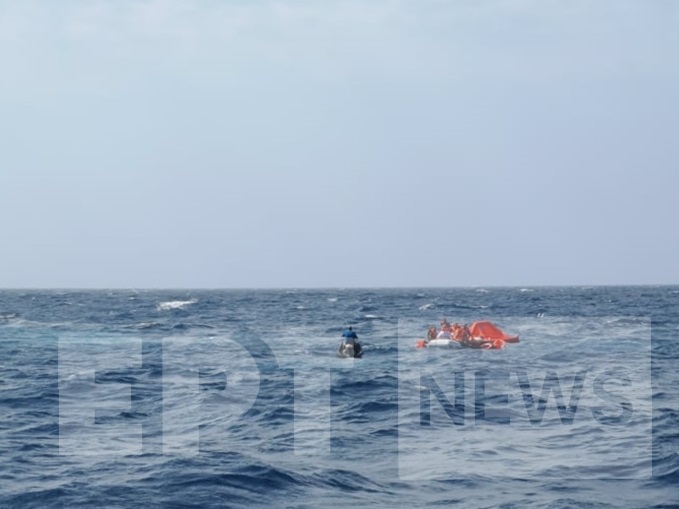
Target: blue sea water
[{"x": 235, "y": 398}]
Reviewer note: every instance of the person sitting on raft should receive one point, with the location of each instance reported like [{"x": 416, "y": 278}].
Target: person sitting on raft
[
  {"x": 431, "y": 333},
  {"x": 460, "y": 332},
  {"x": 445, "y": 333}
]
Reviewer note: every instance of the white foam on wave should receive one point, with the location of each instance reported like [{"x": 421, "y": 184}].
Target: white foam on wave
[
  {"x": 147, "y": 325},
  {"x": 424, "y": 307},
  {"x": 17, "y": 322},
  {"x": 175, "y": 304}
]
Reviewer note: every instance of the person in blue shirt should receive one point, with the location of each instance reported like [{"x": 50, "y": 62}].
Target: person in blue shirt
[
  {"x": 349, "y": 334},
  {"x": 349, "y": 337}
]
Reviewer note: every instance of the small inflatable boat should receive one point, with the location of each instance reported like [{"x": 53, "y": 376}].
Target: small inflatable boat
[{"x": 447, "y": 343}]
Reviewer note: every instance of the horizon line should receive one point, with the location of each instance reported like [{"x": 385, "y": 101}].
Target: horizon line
[{"x": 272, "y": 288}]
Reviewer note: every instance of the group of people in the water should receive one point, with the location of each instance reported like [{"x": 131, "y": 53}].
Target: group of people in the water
[
  {"x": 481, "y": 334},
  {"x": 461, "y": 334},
  {"x": 455, "y": 331}
]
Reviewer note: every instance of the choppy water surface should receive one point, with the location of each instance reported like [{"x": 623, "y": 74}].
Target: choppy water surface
[{"x": 236, "y": 399}]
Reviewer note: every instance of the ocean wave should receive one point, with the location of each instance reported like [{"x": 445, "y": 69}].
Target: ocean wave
[
  {"x": 148, "y": 325},
  {"x": 220, "y": 425},
  {"x": 14, "y": 321},
  {"x": 469, "y": 306},
  {"x": 175, "y": 304}
]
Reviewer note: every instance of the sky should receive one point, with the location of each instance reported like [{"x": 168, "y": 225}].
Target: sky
[{"x": 338, "y": 143}]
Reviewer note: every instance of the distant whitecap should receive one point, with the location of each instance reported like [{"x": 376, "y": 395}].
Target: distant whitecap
[
  {"x": 175, "y": 304},
  {"x": 147, "y": 325}
]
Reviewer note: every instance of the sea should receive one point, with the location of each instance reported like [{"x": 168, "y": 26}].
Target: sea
[{"x": 237, "y": 399}]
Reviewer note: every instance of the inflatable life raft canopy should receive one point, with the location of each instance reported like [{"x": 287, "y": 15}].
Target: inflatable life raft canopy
[{"x": 488, "y": 331}]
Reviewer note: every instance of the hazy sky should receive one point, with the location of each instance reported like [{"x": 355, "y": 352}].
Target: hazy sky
[{"x": 318, "y": 143}]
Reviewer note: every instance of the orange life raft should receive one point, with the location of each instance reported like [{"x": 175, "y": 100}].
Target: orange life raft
[
  {"x": 484, "y": 335},
  {"x": 486, "y": 331}
]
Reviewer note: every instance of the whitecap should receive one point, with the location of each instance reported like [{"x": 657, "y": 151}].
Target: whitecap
[
  {"x": 175, "y": 304},
  {"x": 147, "y": 325},
  {"x": 19, "y": 322},
  {"x": 424, "y": 307},
  {"x": 371, "y": 317}
]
